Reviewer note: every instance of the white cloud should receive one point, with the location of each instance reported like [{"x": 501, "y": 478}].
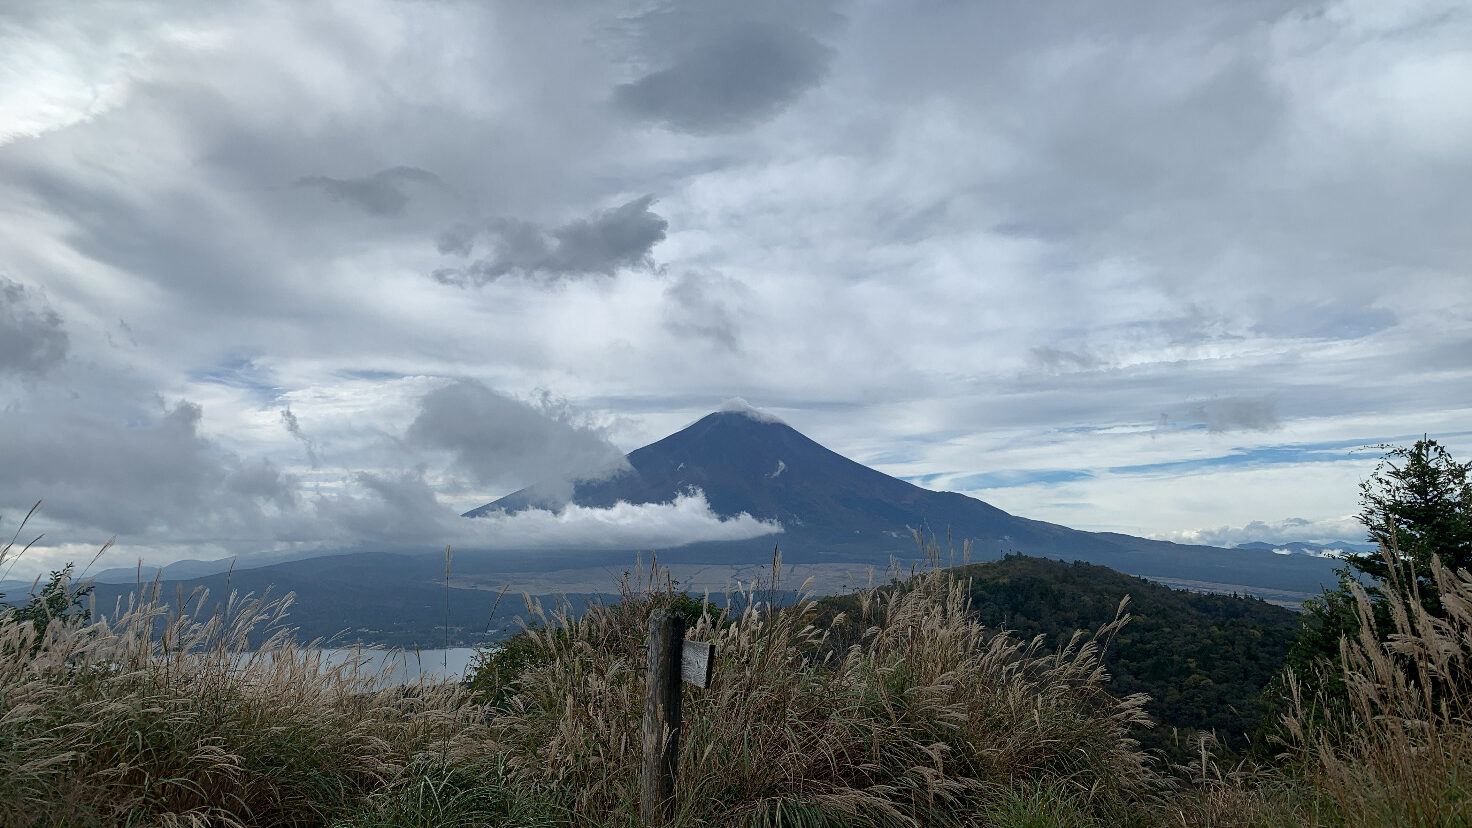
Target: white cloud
[
  {"x": 686, "y": 519},
  {"x": 736, "y": 405},
  {"x": 1280, "y": 531}
]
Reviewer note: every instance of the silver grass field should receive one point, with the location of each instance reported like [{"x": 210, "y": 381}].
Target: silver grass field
[{"x": 165, "y": 715}]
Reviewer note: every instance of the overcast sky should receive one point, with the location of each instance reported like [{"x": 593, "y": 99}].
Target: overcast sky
[{"x": 285, "y": 275}]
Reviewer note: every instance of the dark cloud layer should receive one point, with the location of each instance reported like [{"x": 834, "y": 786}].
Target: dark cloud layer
[
  {"x": 183, "y": 239},
  {"x": 611, "y": 240},
  {"x": 151, "y": 472},
  {"x": 733, "y": 79},
  {"x": 380, "y": 194},
  {"x": 500, "y": 442},
  {"x": 32, "y": 338}
]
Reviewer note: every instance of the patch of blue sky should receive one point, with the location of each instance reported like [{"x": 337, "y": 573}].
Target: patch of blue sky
[
  {"x": 893, "y": 458},
  {"x": 1118, "y": 428},
  {"x": 1008, "y": 479},
  {"x": 1324, "y": 452},
  {"x": 1407, "y": 439},
  {"x": 238, "y": 372}
]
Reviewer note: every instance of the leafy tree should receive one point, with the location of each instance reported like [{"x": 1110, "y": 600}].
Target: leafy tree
[
  {"x": 57, "y": 601},
  {"x": 1418, "y": 507}
]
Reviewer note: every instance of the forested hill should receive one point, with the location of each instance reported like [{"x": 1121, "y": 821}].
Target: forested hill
[{"x": 1203, "y": 659}]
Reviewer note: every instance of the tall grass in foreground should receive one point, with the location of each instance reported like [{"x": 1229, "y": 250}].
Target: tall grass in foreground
[
  {"x": 1400, "y": 751},
  {"x": 908, "y": 713},
  {"x": 927, "y": 720},
  {"x": 162, "y": 717},
  {"x": 1395, "y": 749}
]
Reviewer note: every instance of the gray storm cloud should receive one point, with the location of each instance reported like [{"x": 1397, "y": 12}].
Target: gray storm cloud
[
  {"x": 381, "y": 194},
  {"x": 733, "y": 79},
  {"x": 32, "y": 338},
  {"x": 1236, "y": 414},
  {"x": 502, "y": 442},
  {"x": 610, "y": 240},
  {"x": 150, "y": 472}
]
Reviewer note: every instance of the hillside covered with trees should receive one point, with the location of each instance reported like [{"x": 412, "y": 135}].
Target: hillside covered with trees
[{"x": 1203, "y": 659}]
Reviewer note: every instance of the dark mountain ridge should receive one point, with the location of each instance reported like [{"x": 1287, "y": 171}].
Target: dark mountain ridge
[{"x": 832, "y": 508}]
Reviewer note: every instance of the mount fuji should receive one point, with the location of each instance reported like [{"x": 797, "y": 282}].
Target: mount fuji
[{"x": 834, "y": 509}]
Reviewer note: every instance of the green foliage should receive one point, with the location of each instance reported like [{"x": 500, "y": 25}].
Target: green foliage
[
  {"x": 1039, "y": 807},
  {"x": 1203, "y": 659},
  {"x": 1313, "y": 657},
  {"x": 439, "y": 794},
  {"x": 1418, "y": 503},
  {"x": 57, "y": 602},
  {"x": 493, "y": 672}
]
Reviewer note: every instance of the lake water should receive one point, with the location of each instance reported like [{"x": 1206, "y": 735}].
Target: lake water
[{"x": 407, "y": 666}]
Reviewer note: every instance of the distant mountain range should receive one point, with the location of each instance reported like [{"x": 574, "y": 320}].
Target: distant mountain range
[
  {"x": 1331, "y": 549},
  {"x": 833, "y": 508},
  {"x": 176, "y": 571}
]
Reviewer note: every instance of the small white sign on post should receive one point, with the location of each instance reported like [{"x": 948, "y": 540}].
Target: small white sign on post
[{"x": 697, "y": 661}]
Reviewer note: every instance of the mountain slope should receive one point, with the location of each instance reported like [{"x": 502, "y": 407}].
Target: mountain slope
[
  {"x": 759, "y": 466},
  {"x": 834, "y": 508}
]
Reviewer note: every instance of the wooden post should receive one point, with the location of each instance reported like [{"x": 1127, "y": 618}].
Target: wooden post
[{"x": 662, "y": 717}]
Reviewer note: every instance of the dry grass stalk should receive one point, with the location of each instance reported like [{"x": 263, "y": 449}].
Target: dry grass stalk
[
  {"x": 1400, "y": 751},
  {"x": 163, "y": 716},
  {"x": 923, "y": 721}
]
